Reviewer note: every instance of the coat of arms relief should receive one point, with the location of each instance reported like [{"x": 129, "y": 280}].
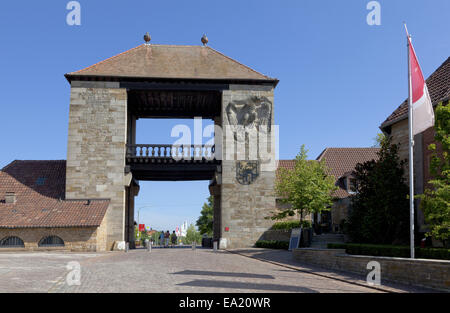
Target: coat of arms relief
[
  {"x": 251, "y": 115},
  {"x": 253, "y": 112}
]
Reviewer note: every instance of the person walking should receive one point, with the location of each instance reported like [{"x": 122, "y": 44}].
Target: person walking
[
  {"x": 173, "y": 238},
  {"x": 161, "y": 239},
  {"x": 167, "y": 238}
]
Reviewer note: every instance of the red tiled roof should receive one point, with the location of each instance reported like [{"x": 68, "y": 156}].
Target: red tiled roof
[
  {"x": 438, "y": 86},
  {"x": 287, "y": 164},
  {"x": 39, "y": 186},
  {"x": 171, "y": 61},
  {"x": 340, "y": 161}
]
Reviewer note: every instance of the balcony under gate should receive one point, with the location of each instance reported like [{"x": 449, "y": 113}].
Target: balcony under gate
[{"x": 172, "y": 162}]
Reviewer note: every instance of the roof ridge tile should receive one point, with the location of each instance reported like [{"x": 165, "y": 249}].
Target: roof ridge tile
[{"x": 171, "y": 62}]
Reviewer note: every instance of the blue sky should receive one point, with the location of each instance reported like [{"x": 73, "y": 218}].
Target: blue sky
[{"x": 339, "y": 77}]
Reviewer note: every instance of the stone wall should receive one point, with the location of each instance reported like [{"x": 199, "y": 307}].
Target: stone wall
[
  {"x": 339, "y": 212},
  {"x": 399, "y": 133},
  {"x": 400, "y": 136},
  {"x": 244, "y": 208},
  {"x": 217, "y": 224},
  {"x": 280, "y": 206},
  {"x": 131, "y": 192},
  {"x": 102, "y": 235},
  {"x": 96, "y": 152},
  {"x": 418, "y": 272},
  {"x": 277, "y": 234},
  {"x": 75, "y": 238}
]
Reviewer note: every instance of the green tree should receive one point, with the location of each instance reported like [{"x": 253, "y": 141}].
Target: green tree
[
  {"x": 435, "y": 202},
  {"x": 379, "y": 139},
  {"x": 380, "y": 206},
  {"x": 155, "y": 237},
  {"x": 205, "y": 221},
  {"x": 307, "y": 188},
  {"x": 192, "y": 235},
  {"x": 143, "y": 236}
]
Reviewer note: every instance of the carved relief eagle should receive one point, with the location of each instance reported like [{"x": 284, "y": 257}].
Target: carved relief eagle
[{"x": 252, "y": 112}]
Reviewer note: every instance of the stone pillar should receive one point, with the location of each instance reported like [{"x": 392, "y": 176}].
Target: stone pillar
[
  {"x": 96, "y": 153},
  {"x": 215, "y": 190},
  {"x": 131, "y": 192},
  {"x": 245, "y": 206},
  {"x": 131, "y": 129}
]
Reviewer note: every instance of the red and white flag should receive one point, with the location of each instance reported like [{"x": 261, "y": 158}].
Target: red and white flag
[{"x": 422, "y": 108}]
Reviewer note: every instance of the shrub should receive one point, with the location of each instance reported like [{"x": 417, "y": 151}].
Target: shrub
[
  {"x": 435, "y": 202},
  {"x": 272, "y": 244},
  {"x": 433, "y": 253},
  {"x": 336, "y": 246},
  {"x": 287, "y": 225},
  {"x": 391, "y": 251},
  {"x": 380, "y": 205}
]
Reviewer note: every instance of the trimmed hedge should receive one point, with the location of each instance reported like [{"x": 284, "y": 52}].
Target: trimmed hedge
[
  {"x": 287, "y": 225},
  {"x": 434, "y": 253},
  {"x": 272, "y": 244},
  {"x": 391, "y": 251}
]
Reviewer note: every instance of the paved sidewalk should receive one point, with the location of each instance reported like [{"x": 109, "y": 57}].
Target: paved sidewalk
[
  {"x": 35, "y": 271},
  {"x": 284, "y": 258},
  {"x": 165, "y": 270}
]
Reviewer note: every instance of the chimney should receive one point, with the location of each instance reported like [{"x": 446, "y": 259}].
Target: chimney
[{"x": 10, "y": 197}]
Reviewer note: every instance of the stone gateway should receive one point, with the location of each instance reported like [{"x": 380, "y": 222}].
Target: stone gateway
[
  {"x": 87, "y": 202},
  {"x": 166, "y": 81}
]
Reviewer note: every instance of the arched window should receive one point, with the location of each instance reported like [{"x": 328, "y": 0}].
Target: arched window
[
  {"x": 51, "y": 241},
  {"x": 11, "y": 242}
]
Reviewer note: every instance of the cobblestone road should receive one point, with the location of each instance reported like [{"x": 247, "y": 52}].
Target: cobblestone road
[{"x": 162, "y": 270}]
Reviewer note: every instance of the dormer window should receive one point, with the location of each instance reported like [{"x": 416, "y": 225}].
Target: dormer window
[
  {"x": 344, "y": 182},
  {"x": 349, "y": 183},
  {"x": 10, "y": 198},
  {"x": 353, "y": 185}
]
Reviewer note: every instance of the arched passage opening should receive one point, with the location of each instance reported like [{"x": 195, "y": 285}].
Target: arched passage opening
[{"x": 170, "y": 148}]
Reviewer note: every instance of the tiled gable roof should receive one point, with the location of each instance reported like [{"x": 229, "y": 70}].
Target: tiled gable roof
[
  {"x": 287, "y": 164},
  {"x": 171, "y": 61},
  {"x": 438, "y": 86},
  {"x": 340, "y": 161},
  {"x": 39, "y": 187}
]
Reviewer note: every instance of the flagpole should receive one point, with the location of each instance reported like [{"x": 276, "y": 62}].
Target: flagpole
[{"x": 411, "y": 151}]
